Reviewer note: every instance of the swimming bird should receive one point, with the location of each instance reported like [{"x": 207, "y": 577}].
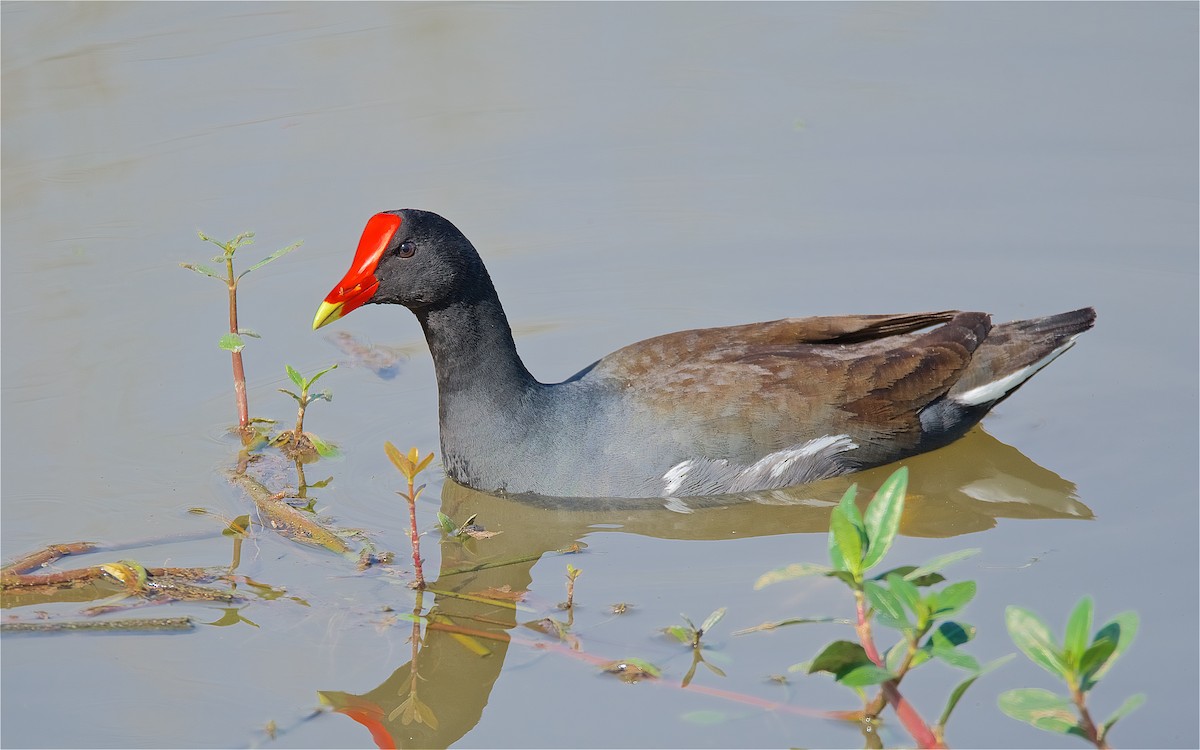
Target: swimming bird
[{"x": 698, "y": 412}]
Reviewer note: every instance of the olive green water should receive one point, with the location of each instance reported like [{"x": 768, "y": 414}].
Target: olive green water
[{"x": 626, "y": 170}]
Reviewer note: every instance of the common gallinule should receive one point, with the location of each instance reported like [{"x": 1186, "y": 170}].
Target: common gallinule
[{"x": 700, "y": 412}]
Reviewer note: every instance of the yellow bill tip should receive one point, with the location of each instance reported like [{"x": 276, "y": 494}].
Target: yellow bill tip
[{"x": 327, "y": 313}]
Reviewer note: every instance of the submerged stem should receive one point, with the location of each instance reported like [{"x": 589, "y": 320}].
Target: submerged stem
[
  {"x": 239, "y": 371},
  {"x": 415, "y": 538}
]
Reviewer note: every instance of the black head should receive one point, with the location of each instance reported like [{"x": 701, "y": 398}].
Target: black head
[{"x": 407, "y": 257}]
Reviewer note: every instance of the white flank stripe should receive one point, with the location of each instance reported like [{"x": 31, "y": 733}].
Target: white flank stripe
[
  {"x": 675, "y": 476},
  {"x": 994, "y": 390},
  {"x": 813, "y": 447}
]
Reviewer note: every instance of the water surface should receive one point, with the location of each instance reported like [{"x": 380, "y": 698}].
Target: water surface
[{"x": 626, "y": 170}]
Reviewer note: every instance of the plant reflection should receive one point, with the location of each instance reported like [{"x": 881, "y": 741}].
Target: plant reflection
[{"x": 961, "y": 489}]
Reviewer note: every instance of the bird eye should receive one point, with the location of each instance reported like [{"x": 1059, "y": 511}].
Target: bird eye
[{"x": 406, "y": 250}]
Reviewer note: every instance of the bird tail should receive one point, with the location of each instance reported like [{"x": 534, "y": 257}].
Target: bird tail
[{"x": 1014, "y": 352}]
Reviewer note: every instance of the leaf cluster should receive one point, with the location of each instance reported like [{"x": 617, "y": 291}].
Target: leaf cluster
[
  {"x": 1080, "y": 662},
  {"x": 409, "y": 465},
  {"x": 909, "y": 599}
]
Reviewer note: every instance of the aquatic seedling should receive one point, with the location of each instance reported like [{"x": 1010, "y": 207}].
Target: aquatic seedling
[
  {"x": 572, "y": 573},
  {"x": 297, "y": 443},
  {"x": 691, "y": 634},
  {"x": 631, "y": 670},
  {"x": 233, "y": 342},
  {"x": 410, "y": 466},
  {"x": 1078, "y": 662},
  {"x": 464, "y": 531}
]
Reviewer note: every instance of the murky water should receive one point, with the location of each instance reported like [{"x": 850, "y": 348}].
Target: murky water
[{"x": 626, "y": 170}]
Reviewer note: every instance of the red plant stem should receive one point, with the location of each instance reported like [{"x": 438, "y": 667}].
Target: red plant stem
[
  {"x": 862, "y": 626},
  {"x": 416, "y": 542},
  {"x": 908, "y": 715},
  {"x": 1085, "y": 720},
  {"x": 416, "y": 640},
  {"x": 745, "y": 699},
  {"x": 239, "y": 372}
]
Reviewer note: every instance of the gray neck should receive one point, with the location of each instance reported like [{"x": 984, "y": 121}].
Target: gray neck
[{"x": 473, "y": 350}]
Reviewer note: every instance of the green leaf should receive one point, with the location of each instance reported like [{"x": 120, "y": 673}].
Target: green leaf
[
  {"x": 790, "y": 621},
  {"x": 1041, "y": 708},
  {"x": 889, "y": 611},
  {"x": 928, "y": 579},
  {"x": 849, "y": 506},
  {"x": 713, "y": 668},
  {"x": 446, "y": 524},
  {"x": 1130, "y": 705},
  {"x": 1122, "y": 629},
  {"x": 957, "y": 693},
  {"x": 705, "y": 718},
  {"x": 1095, "y": 657},
  {"x": 954, "y": 597},
  {"x": 906, "y": 592},
  {"x": 202, "y": 270},
  {"x": 919, "y": 657},
  {"x": 894, "y": 658},
  {"x": 712, "y": 620},
  {"x": 273, "y": 256},
  {"x": 789, "y": 573},
  {"x": 1079, "y": 629},
  {"x": 867, "y": 674},
  {"x": 324, "y": 449},
  {"x": 285, "y": 390},
  {"x": 231, "y": 342},
  {"x": 939, "y": 562},
  {"x": 836, "y": 555},
  {"x": 848, "y": 537},
  {"x": 955, "y": 696},
  {"x": 294, "y": 376},
  {"x": 839, "y": 658},
  {"x": 951, "y": 634},
  {"x": 883, "y": 517},
  {"x": 845, "y": 577},
  {"x": 631, "y": 664},
  {"x": 956, "y": 658},
  {"x": 248, "y": 332},
  {"x": 1031, "y": 635},
  {"x": 680, "y": 633},
  {"x": 314, "y": 378}
]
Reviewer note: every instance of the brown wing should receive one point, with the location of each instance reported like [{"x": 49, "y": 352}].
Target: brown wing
[{"x": 788, "y": 381}]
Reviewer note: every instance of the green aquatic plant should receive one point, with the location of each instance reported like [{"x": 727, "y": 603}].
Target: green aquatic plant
[
  {"x": 1079, "y": 662},
  {"x": 232, "y": 341},
  {"x": 912, "y": 600},
  {"x": 689, "y": 633},
  {"x": 572, "y": 573},
  {"x": 901, "y": 599},
  {"x": 297, "y": 441}
]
